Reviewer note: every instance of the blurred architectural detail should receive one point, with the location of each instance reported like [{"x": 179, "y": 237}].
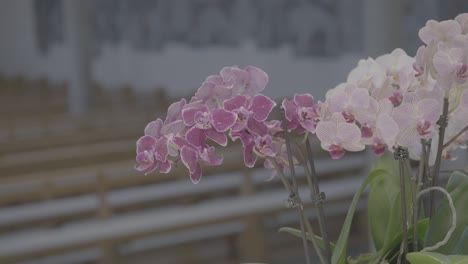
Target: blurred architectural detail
[
  {"x": 382, "y": 26},
  {"x": 49, "y": 23},
  {"x": 77, "y": 27}
]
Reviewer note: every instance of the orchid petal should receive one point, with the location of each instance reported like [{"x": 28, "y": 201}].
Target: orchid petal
[
  {"x": 196, "y": 137},
  {"x": 222, "y": 120},
  {"x": 258, "y": 80},
  {"x": 236, "y": 102},
  {"x": 154, "y": 128},
  {"x": 174, "y": 112},
  {"x": 290, "y": 110},
  {"x": 261, "y": 107},
  {"x": 326, "y": 132},
  {"x": 218, "y": 137},
  {"x": 145, "y": 143},
  {"x": 188, "y": 114},
  {"x": 304, "y": 100},
  {"x": 161, "y": 150},
  {"x": 196, "y": 175},
  {"x": 173, "y": 127},
  {"x": 249, "y": 157},
  {"x": 257, "y": 127},
  {"x": 189, "y": 158},
  {"x": 165, "y": 167},
  {"x": 359, "y": 97}
]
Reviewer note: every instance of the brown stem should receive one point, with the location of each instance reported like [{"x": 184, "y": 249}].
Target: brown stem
[
  {"x": 455, "y": 137},
  {"x": 414, "y": 189},
  {"x": 401, "y": 154},
  {"x": 435, "y": 180}
]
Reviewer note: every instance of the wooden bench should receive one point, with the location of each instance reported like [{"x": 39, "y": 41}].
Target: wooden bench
[{"x": 124, "y": 226}]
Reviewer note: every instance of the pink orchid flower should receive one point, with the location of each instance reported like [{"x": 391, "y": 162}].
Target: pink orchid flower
[
  {"x": 347, "y": 100},
  {"x": 301, "y": 113},
  {"x": 451, "y": 66},
  {"x": 439, "y": 31},
  {"x": 213, "y": 123},
  {"x": 152, "y": 154},
  {"x": 416, "y": 119},
  {"x": 195, "y": 151},
  {"x": 378, "y": 129},
  {"x": 249, "y": 81},
  {"x": 337, "y": 135},
  {"x": 258, "y": 108},
  {"x": 462, "y": 19},
  {"x": 213, "y": 92}
]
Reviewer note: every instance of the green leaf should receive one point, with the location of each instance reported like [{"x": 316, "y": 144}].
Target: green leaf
[
  {"x": 339, "y": 253},
  {"x": 363, "y": 259},
  {"x": 298, "y": 233},
  {"x": 461, "y": 247},
  {"x": 394, "y": 246},
  {"x": 442, "y": 219},
  {"x": 385, "y": 205},
  {"x": 435, "y": 258}
]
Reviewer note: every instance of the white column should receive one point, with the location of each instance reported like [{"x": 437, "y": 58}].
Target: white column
[
  {"x": 382, "y": 24},
  {"x": 79, "y": 86}
]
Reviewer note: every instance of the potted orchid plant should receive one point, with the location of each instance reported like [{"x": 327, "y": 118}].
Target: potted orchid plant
[{"x": 403, "y": 108}]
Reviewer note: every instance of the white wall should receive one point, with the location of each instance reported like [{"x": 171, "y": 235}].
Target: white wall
[{"x": 178, "y": 67}]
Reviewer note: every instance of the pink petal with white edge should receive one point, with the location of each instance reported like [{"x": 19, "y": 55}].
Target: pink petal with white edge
[
  {"x": 249, "y": 157},
  {"x": 161, "y": 150},
  {"x": 258, "y": 80},
  {"x": 218, "y": 137},
  {"x": 196, "y": 137},
  {"x": 326, "y": 132},
  {"x": 261, "y": 107},
  {"x": 222, "y": 119},
  {"x": 196, "y": 175},
  {"x": 309, "y": 125},
  {"x": 165, "y": 167},
  {"x": 188, "y": 114},
  {"x": 209, "y": 157},
  {"x": 173, "y": 127},
  {"x": 145, "y": 143},
  {"x": 154, "y": 128},
  {"x": 236, "y": 102},
  {"x": 258, "y": 128},
  {"x": 179, "y": 142},
  {"x": 304, "y": 100},
  {"x": 189, "y": 158},
  {"x": 175, "y": 110},
  {"x": 290, "y": 109}
]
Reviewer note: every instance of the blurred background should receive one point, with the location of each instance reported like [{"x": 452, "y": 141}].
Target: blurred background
[{"x": 79, "y": 80}]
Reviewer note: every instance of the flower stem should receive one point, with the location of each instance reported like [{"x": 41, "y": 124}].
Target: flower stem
[
  {"x": 435, "y": 180},
  {"x": 317, "y": 197},
  {"x": 295, "y": 198},
  {"x": 455, "y": 137},
  {"x": 414, "y": 189},
  {"x": 401, "y": 154}
]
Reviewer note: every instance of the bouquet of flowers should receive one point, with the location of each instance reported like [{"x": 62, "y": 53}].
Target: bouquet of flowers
[{"x": 401, "y": 107}]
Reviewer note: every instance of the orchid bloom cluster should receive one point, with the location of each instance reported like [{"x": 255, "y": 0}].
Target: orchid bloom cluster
[
  {"x": 229, "y": 104},
  {"x": 393, "y": 100},
  {"x": 396, "y": 100}
]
